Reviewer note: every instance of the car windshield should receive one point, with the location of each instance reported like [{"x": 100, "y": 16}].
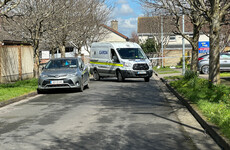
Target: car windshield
[
  {"x": 62, "y": 63},
  {"x": 131, "y": 53}
]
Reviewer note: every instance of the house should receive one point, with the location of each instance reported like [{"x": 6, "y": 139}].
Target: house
[
  {"x": 112, "y": 33},
  {"x": 150, "y": 27}
]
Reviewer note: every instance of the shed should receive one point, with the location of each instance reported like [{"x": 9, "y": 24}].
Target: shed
[{"x": 16, "y": 61}]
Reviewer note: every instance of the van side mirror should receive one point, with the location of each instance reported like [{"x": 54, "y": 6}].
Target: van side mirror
[
  {"x": 115, "y": 59},
  {"x": 81, "y": 67}
]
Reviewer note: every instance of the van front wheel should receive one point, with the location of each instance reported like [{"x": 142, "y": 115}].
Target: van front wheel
[
  {"x": 147, "y": 79},
  {"x": 120, "y": 78},
  {"x": 96, "y": 75}
]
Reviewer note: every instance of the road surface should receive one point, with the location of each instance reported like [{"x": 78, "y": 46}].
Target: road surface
[{"x": 132, "y": 115}]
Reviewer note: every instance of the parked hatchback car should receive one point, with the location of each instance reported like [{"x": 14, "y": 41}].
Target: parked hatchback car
[
  {"x": 64, "y": 73},
  {"x": 203, "y": 63}
]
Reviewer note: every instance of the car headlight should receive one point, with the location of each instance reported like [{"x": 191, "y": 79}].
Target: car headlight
[
  {"x": 44, "y": 75},
  {"x": 127, "y": 64},
  {"x": 72, "y": 75}
]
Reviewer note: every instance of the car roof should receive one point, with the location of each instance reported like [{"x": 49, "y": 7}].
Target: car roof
[{"x": 69, "y": 58}]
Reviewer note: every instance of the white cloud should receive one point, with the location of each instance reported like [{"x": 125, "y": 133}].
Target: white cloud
[
  {"x": 122, "y": 10},
  {"x": 122, "y": 1},
  {"x": 126, "y": 9},
  {"x": 127, "y": 26}
]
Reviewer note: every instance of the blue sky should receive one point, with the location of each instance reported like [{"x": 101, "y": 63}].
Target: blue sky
[{"x": 126, "y": 13}]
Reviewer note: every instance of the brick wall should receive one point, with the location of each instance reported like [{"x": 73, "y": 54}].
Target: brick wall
[{"x": 175, "y": 57}]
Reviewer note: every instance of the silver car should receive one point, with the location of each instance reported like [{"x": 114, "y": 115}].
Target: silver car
[
  {"x": 64, "y": 73},
  {"x": 203, "y": 63}
]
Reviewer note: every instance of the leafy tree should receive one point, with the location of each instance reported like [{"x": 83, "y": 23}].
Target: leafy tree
[{"x": 149, "y": 46}]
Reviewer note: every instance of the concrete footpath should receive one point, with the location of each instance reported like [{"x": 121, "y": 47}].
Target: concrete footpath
[{"x": 209, "y": 128}]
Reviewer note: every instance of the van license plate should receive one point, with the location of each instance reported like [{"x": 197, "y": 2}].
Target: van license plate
[
  {"x": 56, "y": 82},
  {"x": 142, "y": 72}
]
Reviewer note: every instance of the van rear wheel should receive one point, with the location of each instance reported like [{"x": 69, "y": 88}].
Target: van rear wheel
[{"x": 96, "y": 75}]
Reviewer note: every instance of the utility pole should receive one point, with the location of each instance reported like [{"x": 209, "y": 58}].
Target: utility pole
[
  {"x": 183, "y": 51},
  {"x": 162, "y": 46}
]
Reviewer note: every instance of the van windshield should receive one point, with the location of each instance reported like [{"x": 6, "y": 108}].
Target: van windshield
[{"x": 131, "y": 53}]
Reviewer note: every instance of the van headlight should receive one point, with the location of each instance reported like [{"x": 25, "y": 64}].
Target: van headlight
[
  {"x": 150, "y": 65},
  {"x": 127, "y": 64}
]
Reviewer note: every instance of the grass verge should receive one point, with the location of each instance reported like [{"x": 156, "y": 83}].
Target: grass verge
[
  {"x": 12, "y": 90},
  {"x": 225, "y": 74},
  {"x": 165, "y": 70},
  {"x": 213, "y": 102}
]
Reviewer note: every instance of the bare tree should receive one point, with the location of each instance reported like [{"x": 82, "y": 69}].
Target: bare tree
[
  {"x": 90, "y": 28},
  {"x": 29, "y": 22},
  {"x": 176, "y": 8},
  {"x": 134, "y": 37},
  {"x": 217, "y": 14},
  {"x": 79, "y": 25},
  {"x": 7, "y": 5}
]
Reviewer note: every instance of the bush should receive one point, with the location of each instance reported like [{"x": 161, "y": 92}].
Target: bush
[{"x": 189, "y": 74}]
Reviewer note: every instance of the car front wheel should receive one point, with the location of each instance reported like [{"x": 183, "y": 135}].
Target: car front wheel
[
  {"x": 81, "y": 89},
  {"x": 205, "y": 69}
]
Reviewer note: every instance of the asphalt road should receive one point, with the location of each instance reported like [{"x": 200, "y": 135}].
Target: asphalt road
[{"x": 133, "y": 115}]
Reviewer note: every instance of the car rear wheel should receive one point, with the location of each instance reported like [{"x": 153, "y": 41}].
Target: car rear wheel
[
  {"x": 96, "y": 75},
  {"x": 120, "y": 78},
  {"x": 205, "y": 69}
]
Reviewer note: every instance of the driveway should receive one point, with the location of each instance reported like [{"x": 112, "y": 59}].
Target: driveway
[{"x": 132, "y": 115}]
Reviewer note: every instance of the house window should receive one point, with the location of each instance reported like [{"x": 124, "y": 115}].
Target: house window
[
  {"x": 172, "y": 38},
  {"x": 190, "y": 35},
  {"x": 69, "y": 49}
]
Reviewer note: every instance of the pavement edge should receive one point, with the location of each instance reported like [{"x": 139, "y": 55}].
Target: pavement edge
[
  {"x": 221, "y": 141},
  {"x": 17, "y": 99}
]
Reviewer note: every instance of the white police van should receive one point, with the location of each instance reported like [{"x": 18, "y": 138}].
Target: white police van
[{"x": 119, "y": 59}]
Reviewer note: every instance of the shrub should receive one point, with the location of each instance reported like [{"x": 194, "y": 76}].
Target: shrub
[{"x": 189, "y": 74}]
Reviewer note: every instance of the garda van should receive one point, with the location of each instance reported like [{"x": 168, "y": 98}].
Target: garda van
[{"x": 119, "y": 59}]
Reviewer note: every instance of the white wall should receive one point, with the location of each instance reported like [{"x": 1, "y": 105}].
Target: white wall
[
  {"x": 112, "y": 37},
  {"x": 177, "y": 41}
]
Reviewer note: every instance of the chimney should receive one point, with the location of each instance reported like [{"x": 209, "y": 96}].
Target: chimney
[{"x": 114, "y": 25}]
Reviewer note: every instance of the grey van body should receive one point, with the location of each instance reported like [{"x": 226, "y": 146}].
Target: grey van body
[{"x": 119, "y": 59}]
